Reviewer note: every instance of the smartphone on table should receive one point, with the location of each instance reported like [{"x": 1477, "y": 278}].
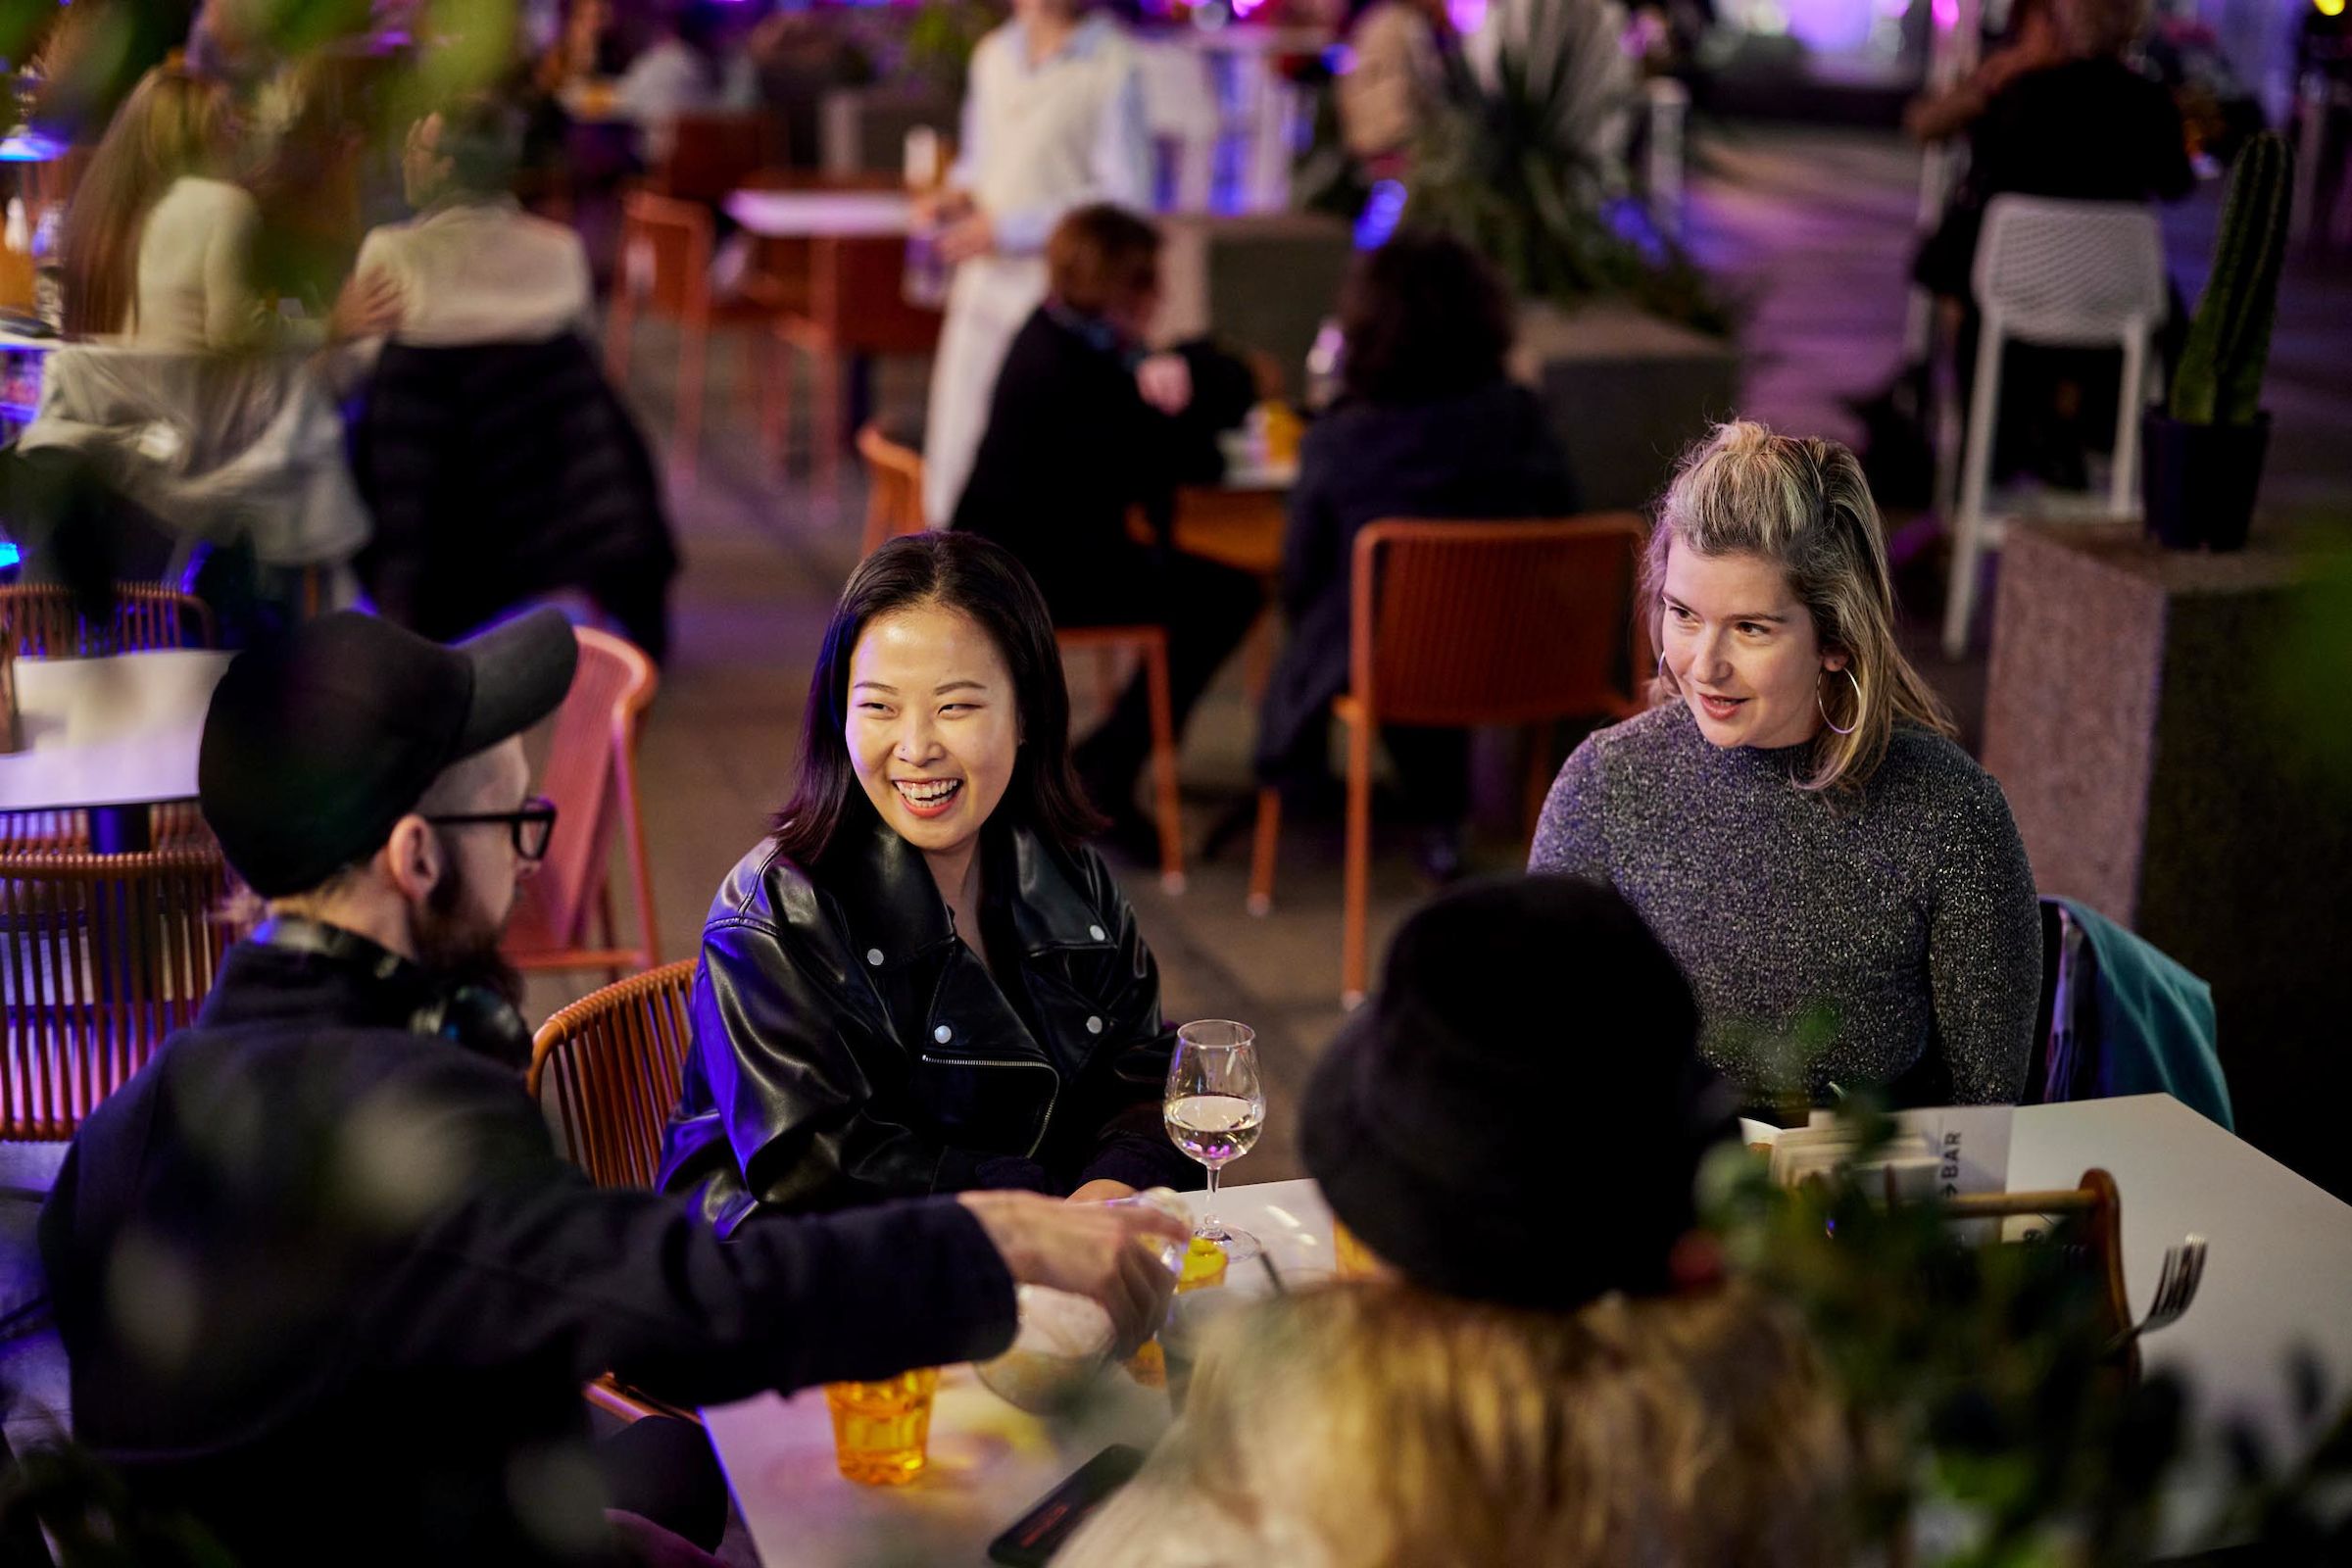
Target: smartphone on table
[{"x": 1033, "y": 1539}]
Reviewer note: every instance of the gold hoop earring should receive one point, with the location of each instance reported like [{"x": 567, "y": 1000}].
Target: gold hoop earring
[{"x": 1842, "y": 729}]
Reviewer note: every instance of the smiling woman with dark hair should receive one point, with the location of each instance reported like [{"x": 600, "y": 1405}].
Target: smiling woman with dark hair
[{"x": 922, "y": 981}]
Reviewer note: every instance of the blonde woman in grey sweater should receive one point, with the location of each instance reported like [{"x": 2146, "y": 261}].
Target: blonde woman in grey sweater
[{"x": 1842, "y": 884}]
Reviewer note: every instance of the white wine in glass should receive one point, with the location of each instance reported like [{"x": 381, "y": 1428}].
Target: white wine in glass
[{"x": 1215, "y": 1107}]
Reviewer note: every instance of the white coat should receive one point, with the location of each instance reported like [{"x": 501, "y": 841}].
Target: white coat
[{"x": 1038, "y": 140}]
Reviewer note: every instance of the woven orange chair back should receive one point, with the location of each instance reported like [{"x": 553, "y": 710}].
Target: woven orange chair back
[
  {"x": 664, "y": 254},
  {"x": 610, "y": 1064},
  {"x": 101, "y": 957},
  {"x": 1494, "y": 623},
  {"x": 894, "y": 497},
  {"x": 590, "y": 773},
  {"x": 44, "y": 622},
  {"x": 714, "y": 154}
]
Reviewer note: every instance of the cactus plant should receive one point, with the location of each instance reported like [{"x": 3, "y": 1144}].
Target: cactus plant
[{"x": 2219, "y": 378}]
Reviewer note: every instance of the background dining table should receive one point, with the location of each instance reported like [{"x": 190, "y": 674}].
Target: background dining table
[{"x": 2276, "y": 1285}]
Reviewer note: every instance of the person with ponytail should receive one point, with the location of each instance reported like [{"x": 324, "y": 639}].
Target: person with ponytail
[{"x": 1843, "y": 883}]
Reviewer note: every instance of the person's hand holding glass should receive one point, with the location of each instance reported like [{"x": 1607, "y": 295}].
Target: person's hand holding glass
[{"x": 1215, "y": 1107}]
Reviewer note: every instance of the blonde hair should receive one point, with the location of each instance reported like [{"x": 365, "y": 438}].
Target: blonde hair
[
  {"x": 1802, "y": 505},
  {"x": 1398, "y": 1428},
  {"x": 168, "y": 126}
]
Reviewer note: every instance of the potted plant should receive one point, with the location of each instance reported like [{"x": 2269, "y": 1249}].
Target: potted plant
[{"x": 2202, "y": 458}]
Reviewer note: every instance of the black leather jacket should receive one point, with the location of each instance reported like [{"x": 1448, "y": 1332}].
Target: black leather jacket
[{"x": 849, "y": 1046}]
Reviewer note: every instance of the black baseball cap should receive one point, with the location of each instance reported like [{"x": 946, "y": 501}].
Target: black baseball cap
[{"x": 317, "y": 741}]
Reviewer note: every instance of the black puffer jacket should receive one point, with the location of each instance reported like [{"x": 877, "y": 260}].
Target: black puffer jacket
[{"x": 849, "y": 1046}]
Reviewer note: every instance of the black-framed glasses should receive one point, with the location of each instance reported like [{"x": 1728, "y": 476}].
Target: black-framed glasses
[{"x": 531, "y": 826}]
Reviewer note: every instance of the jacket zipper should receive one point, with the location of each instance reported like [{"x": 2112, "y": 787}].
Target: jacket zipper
[{"x": 1044, "y": 1122}]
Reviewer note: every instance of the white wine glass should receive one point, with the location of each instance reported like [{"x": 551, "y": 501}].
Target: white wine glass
[{"x": 1215, "y": 1107}]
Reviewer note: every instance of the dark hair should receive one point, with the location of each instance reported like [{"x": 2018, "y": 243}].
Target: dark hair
[
  {"x": 1424, "y": 317},
  {"x": 1101, "y": 255},
  {"x": 702, "y": 26},
  {"x": 482, "y": 136},
  {"x": 969, "y": 574}
]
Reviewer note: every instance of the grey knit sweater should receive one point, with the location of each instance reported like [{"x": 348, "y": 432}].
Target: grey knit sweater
[{"x": 1829, "y": 940}]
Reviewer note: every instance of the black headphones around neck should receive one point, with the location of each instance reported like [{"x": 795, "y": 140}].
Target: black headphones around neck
[{"x": 472, "y": 1016}]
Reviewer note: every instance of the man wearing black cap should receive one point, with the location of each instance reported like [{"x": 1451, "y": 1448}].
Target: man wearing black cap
[{"x": 323, "y": 1282}]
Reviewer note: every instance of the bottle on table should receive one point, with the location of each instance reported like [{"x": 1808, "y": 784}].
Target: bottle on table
[{"x": 924, "y": 282}]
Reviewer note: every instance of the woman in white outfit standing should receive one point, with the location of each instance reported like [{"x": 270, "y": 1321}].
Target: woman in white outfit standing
[{"x": 1052, "y": 118}]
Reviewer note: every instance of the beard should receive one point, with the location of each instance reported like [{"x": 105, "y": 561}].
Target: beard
[{"x": 458, "y": 950}]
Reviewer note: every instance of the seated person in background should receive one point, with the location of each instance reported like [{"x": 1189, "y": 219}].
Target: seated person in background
[
  {"x": 472, "y": 266},
  {"x": 499, "y": 463},
  {"x": 1085, "y": 423},
  {"x": 2029, "y": 42},
  {"x": 1840, "y": 881},
  {"x": 2065, "y": 117},
  {"x": 324, "y": 1284},
  {"x": 694, "y": 68},
  {"x": 922, "y": 981},
  {"x": 1428, "y": 424},
  {"x": 1547, "y": 1365}
]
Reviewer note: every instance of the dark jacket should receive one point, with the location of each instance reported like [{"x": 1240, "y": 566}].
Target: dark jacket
[
  {"x": 324, "y": 1284},
  {"x": 2090, "y": 130},
  {"x": 849, "y": 1047},
  {"x": 1477, "y": 457},
  {"x": 498, "y": 473},
  {"x": 1071, "y": 445}
]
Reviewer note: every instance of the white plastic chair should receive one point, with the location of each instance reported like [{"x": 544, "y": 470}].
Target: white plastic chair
[{"x": 2060, "y": 274}]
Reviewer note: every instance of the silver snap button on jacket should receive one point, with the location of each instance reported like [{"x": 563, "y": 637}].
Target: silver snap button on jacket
[{"x": 943, "y": 1034}]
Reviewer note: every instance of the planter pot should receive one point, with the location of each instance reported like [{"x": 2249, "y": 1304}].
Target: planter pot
[{"x": 2198, "y": 481}]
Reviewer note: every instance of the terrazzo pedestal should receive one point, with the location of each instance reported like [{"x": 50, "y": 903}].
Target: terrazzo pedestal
[{"x": 2131, "y": 720}]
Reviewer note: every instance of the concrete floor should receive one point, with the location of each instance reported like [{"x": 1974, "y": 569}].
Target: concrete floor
[{"x": 1813, "y": 226}]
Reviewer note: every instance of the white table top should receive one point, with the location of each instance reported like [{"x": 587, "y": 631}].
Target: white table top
[
  {"x": 2278, "y": 1274},
  {"x": 990, "y": 1462},
  {"x": 2277, "y": 1264},
  {"x": 119, "y": 731},
  {"x": 821, "y": 213}
]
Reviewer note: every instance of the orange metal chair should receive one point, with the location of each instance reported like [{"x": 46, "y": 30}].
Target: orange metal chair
[
  {"x": 665, "y": 250},
  {"x": 855, "y": 308},
  {"x": 101, "y": 957},
  {"x": 1466, "y": 623},
  {"x": 894, "y": 495},
  {"x": 591, "y": 775},
  {"x": 44, "y": 622},
  {"x": 609, "y": 1067},
  {"x": 895, "y": 505}
]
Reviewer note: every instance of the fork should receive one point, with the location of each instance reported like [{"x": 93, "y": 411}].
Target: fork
[{"x": 2176, "y": 1283}]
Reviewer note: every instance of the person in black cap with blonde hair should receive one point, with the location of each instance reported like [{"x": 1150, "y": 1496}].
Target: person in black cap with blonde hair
[
  {"x": 324, "y": 1282},
  {"x": 1546, "y": 1365}
]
